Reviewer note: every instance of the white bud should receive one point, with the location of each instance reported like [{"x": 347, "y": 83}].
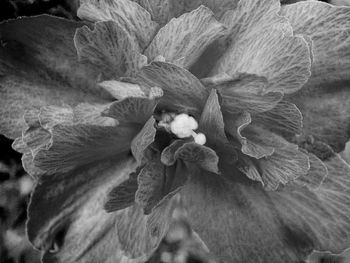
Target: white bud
[{"x": 183, "y": 125}]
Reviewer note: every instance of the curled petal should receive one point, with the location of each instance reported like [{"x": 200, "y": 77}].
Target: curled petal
[
  {"x": 37, "y": 57},
  {"x": 109, "y": 48},
  {"x": 239, "y": 221},
  {"x": 183, "y": 39},
  {"x": 128, "y": 14},
  {"x": 183, "y": 92},
  {"x": 244, "y": 92},
  {"x": 325, "y": 99},
  {"x": 262, "y": 43}
]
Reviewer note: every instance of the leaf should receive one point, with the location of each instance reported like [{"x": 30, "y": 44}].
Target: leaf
[
  {"x": 134, "y": 109},
  {"x": 110, "y": 48},
  {"x": 261, "y": 42},
  {"x": 183, "y": 39},
  {"x": 244, "y": 92},
  {"x": 129, "y": 15},
  {"x": 143, "y": 140},
  {"x": 212, "y": 121},
  {"x": 239, "y": 221},
  {"x": 183, "y": 92},
  {"x": 325, "y": 99},
  {"x": 37, "y": 57},
  {"x": 191, "y": 152}
]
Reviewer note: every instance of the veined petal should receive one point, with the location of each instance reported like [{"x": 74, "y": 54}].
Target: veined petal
[
  {"x": 163, "y": 10},
  {"x": 240, "y": 222},
  {"x": 36, "y": 61},
  {"x": 109, "y": 48},
  {"x": 261, "y": 42},
  {"x": 128, "y": 14},
  {"x": 76, "y": 228},
  {"x": 244, "y": 92},
  {"x": 183, "y": 39},
  {"x": 212, "y": 121},
  {"x": 325, "y": 99},
  {"x": 121, "y": 90},
  {"x": 183, "y": 92},
  {"x": 219, "y": 7}
]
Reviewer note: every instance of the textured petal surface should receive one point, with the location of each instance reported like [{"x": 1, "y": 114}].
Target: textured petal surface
[
  {"x": 128, "y": 14},
  {"x": 110, "y": 48},
  {"x": 183, "y": 92},
  {"x": 183, "y": 39},
  {"x": 67, "y": 213},
  {"x": 244, "y": 92},
  {"x": 219, "y": 7},
  {"x": 240, "y": 222},
  {"x": 261, "y": 43},
  {"x": 163, "y": 10},
  {"x": 37, "y": 56},
  {"x": 325, "y": 100}
]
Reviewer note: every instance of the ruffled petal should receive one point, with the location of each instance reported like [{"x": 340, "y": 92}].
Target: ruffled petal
[
  {"x": 36, "y": 62},
  {"x": 183, "y": 92},
  {"x": 191, "y": 153},
  {"x": 109, "y": 48},
  {"x": 183, "y": 39},
  {"x": 325, "y": 99},
  {"x": 163, "y": 10},
  {"x": 212, "y": 121},
  {"x": 261, "y": 42},
  {"x": 244, "y": 92},
  {"x": 67, "y": 220},
  {"x": 121, "y": 90},
  {"x": 128, "y": 14},
  {"x": 240, "y": 222},
  {"x": 219, "y": 7}
]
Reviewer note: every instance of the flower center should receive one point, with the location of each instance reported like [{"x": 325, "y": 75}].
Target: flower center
[{"x": 182, "y": 125}]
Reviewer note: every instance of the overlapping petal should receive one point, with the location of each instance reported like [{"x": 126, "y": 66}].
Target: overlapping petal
[
  {"x": 37, "y": 56},
  {"x": 240, "y": 222},
  {"x": 183, "y": 39},
  {"x": 325, "y": 99},
  {"x": 126, "y": 13},
  {"x": 110, "y": 48},
  {"x": 261, "y": 42}
]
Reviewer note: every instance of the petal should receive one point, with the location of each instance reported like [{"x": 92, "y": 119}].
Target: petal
[
  {"x": 284, "y": 119},
  {"x": 244, "y": 92},
  {"x": 183, "y": 92},
  {"x": 183, "y": 39},
  {"x": 77, "y": 225},
  {"x": 239, "y": 222},
  {"x": 134, "y": 109},
  {"x": 129, "y": 15},
  {"x": 261, "y": 42},
  {"x": 162, "y": 10},
  {"x": 325, "y": 99},
  {"x": 37, "y": 58},
  {"x": 219, "y": 7},
  {"x": 110, "y": 48},
  {"x": 143, "y": 140},
  {"x": 212, "y": 121},
  {"x": 123, "y": 195},
  {"x": 76, "y": 145},
  {"x": 157, "y": 184},
  {"x": 121, "y": 90},
  {"x": 190, "y": 152}
]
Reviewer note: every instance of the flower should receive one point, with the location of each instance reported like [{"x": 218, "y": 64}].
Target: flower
[{"x": 266, "y": 85}]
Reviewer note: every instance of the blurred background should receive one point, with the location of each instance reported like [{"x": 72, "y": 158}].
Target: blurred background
[{"x": 15, "y": 185}]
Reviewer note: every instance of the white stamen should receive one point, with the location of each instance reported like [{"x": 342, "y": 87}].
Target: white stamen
[{"x": 183, "y": 126}]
